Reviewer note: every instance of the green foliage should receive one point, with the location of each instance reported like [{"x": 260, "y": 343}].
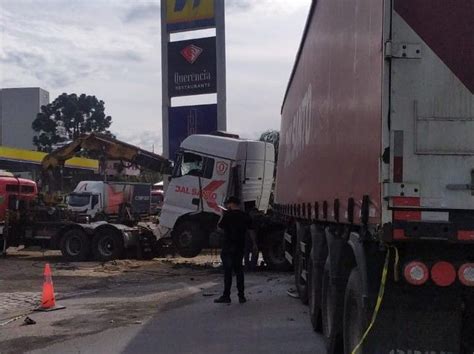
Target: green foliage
[{"x": 67, "y": 117}]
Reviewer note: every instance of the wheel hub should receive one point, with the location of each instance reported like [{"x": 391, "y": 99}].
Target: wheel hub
[
  {"x": 74, "y": 245},
  {"x": 185, "y": 239},
  {"x": 106, "y": 245}
]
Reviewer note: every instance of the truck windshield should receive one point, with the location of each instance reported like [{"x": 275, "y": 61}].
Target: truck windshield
[
  {"x": 78, "y": 200},
  {"x": 189, "y": 164}
]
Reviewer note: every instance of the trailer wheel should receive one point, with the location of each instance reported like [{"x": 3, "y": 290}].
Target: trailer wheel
[
  {"x": 329, "y": 311},
  {"x": 273, "y": 252},
  {"x": 314, "y": 285},
  {"x": 356, "y": 319},
  {"x": 75, "y": 245},
  {"x": 107, "y": 245},
  {"x": 188, "y": 239},
  {"x": 300, "y": 283}
]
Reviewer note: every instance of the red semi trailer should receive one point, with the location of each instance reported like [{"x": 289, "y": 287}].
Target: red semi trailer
[{"x": 377, "y": 142}]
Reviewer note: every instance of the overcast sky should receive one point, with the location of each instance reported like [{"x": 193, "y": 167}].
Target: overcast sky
[{"x": 111, "y": 49}]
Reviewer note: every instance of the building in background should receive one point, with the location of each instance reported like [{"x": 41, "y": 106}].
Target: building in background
[
  {"x": 18, "y": 109},
  {"x": 27, "y": 164}
]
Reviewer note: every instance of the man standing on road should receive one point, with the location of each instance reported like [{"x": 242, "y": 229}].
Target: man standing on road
[{"x": 235, "y": 224}]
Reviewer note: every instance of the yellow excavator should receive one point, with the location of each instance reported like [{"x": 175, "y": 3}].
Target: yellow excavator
[{"x": 107, "y": 148}]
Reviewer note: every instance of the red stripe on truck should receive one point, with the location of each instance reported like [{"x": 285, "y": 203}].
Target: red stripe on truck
[
  {"x": 398, "y": 169},
  {"x": 407, "y": 215},
  {"x": 399, "y": 234},
  {"x": 406, "y": 201},
  {"x": 447, "y": 27},
  {"x": 466, "y": 235}
]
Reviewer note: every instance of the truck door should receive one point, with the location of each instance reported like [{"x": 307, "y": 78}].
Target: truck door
[
  {"x": 431, "y": 53},
  {"x": 198, "y": 184}
]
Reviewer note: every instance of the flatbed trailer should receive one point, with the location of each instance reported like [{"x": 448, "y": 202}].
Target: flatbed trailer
[{"x": 377, "y": 142}]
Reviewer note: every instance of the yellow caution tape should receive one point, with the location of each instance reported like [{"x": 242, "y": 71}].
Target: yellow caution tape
[{"x": 380, "y": 295}]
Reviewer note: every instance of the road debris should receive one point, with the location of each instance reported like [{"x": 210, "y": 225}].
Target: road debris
[{"x": 28, "y": 321}]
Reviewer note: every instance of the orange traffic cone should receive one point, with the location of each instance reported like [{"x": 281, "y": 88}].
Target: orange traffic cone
[{"x": 48, "y": 302}]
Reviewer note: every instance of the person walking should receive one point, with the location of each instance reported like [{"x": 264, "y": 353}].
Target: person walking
[{"x": 235, "y": 224}]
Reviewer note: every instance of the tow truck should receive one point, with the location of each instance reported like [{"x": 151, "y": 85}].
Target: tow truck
[{"x": 29, "y": 218}]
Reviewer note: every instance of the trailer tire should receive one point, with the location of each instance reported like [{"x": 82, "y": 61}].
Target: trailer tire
[
  {"x": 301, "y": 286},
  {"x": 107, "y": 245},
  {"x": 328, "y": 309},
  {"x": 188, "y": 239},
  {"x": 314, "y": 301},
  {"x": 356, "y": 318},
  {"x": 273, "y": 252},
  {"x": 75, "y": 245}
]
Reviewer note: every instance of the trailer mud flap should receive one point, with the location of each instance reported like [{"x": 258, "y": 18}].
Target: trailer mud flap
[{"x": 412, "y": 324}]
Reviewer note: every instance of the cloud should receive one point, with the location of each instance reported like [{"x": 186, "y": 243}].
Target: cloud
[
  {"x": 146, "y": 140},
  {"x": 111, "y": 49},
  {"x": 142, "y": 12},
  {"x": 57, "y": 53},
  {"x": 240, "y": 5}
]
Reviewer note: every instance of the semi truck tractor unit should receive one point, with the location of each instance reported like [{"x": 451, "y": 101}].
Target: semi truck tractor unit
[
  {"x": 377, "y": 145},
  {"x": 208, "y": 169},
  {"x": 118, "y": 201},
  {"x": 26, "y": 221}
]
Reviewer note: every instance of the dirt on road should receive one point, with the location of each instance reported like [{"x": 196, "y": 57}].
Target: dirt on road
[{"x": 97, "y": 296}]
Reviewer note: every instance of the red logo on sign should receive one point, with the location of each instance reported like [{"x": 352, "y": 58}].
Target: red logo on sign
[
  {"x": 191, "y": 53},
  {"x": 221, "y": 168}
]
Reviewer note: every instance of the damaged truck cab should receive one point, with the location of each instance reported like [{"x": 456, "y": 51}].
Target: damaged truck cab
[{"x": 208, "y": 169}]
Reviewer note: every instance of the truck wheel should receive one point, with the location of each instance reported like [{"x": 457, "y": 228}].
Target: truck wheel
[
  {"x": 274, "y": 252},
  {"x": 356, "y": 319},
  {"x": 107, "y": 245},
  {"x": 329, "y": 311},
  {"x": 314, "y": 299},
  {"x": 75, "y": 245},
  {"x": 300, "y": 283},
  {"x": 188, "y": 239}
]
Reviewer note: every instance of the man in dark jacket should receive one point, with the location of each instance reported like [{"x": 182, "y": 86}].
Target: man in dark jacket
[{"x": 235, "y": 224}]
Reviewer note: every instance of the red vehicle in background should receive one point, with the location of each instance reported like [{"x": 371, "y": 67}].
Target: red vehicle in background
[
  {"x": 157, "y": 199},
  {"x": 25, "y": 220},
  {"x": 14, "y": 190}
]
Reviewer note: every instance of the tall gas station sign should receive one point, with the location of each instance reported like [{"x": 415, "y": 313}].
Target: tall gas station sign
[{"x": 192, "y": 67}]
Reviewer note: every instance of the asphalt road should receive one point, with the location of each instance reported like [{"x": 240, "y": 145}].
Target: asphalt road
[{"x": 270, "y": 322}]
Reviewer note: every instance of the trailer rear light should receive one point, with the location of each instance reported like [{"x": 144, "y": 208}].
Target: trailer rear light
[
  {"x": 466, "y": 274},
  {"x": 416, "y": 273},
  {"x": 443, "y": 273}
]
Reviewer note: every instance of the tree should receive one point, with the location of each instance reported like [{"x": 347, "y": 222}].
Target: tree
[
  {"x": 66, "y": 118},
  {"x": 272, "y": 136}
]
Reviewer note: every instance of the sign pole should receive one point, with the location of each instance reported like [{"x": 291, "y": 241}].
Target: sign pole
[
  {"x": 166, "y": 102},
  {"x": 219, "y": 12}
]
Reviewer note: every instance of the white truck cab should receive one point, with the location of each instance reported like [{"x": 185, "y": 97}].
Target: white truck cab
[
  {"x": 100, "y": 200},
  {"x": 87, "y": 198},
  {"x": 208, "y": 169}
]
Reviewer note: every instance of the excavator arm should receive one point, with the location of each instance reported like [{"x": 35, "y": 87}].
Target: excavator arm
[{"x": 109, "y": 148}]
